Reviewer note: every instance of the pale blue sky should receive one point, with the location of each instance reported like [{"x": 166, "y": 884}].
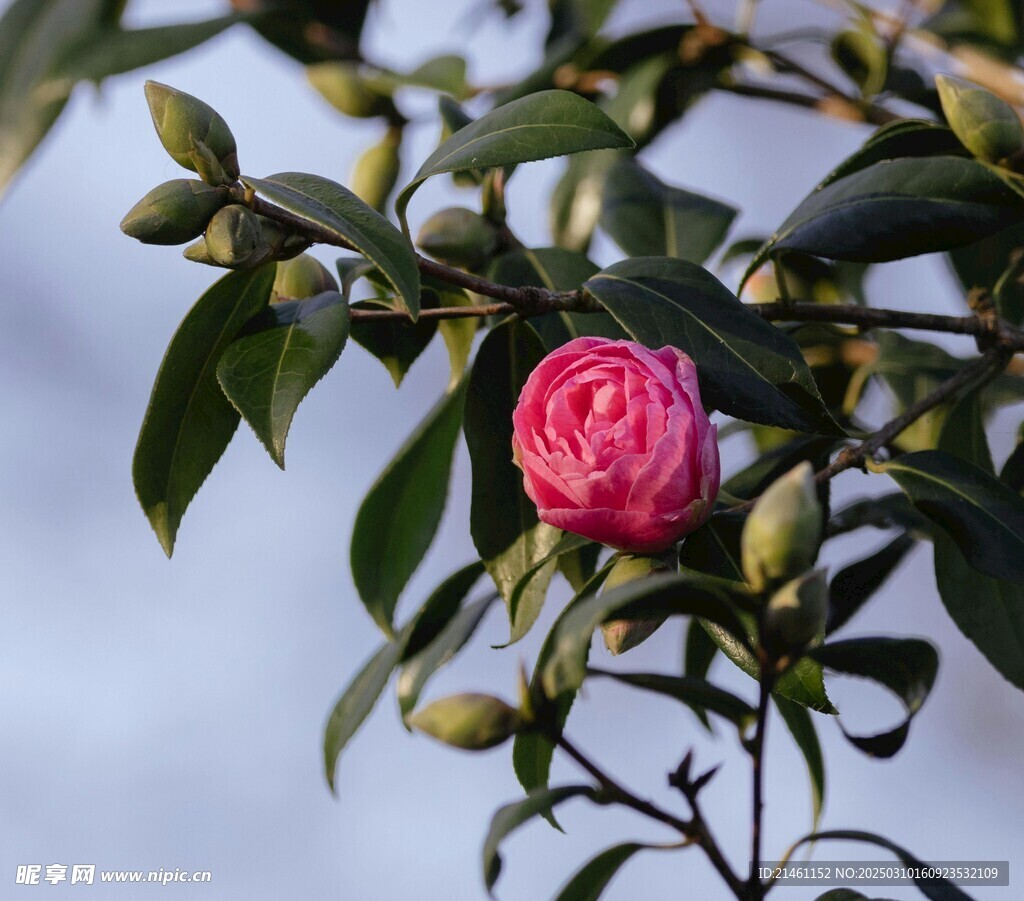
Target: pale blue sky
[{"x": 169, "y": 714}]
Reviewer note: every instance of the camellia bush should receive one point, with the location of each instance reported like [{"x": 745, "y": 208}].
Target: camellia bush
[{"x": 592, "y": 400}]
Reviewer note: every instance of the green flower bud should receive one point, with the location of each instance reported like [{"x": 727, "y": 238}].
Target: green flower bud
[
  {"x": 459, "y": 237},
  {"x": 795, "y": 615},
  {"x": 235, "y": 238},
  {"x": 174, "y": 212},
  {"x": 621, "y": 635},
  {"x": 344, "y": 88},
  {"x": 300, "y": 278},
  {"x": 473, "y": 722},
  {"x": 376, "y": 171},
  {"x": 193, "y": 133},
  {"x": 199, "y": 253},
  {"x": 986, "y": 125},
  {"x": 781, "y": 536}
]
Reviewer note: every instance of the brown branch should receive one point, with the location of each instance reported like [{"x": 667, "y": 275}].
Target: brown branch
[{"x": 754, "y": 887}]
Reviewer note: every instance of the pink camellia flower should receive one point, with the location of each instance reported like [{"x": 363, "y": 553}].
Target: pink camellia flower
[{"x": 615, "y": 445}]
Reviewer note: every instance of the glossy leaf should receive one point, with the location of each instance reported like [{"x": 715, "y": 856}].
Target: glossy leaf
[
  {"x": 418, "y": 669},
  {"x": 648, "y": 218},
  {"x": 801, "y": 727},
  {"x": 396, "y": 344},
  {"x": 906, "y": 666},
  {"x": 754, "y": 480},
  {"x": 682, "y": 593},
  {"x": 278, "y": 357},
  {"x": 514, "y": 815},
  {"x": 340, "y": 212},
  {"x": 989, "y": 611},
  {"x": 984, "y": 517},
  {"x": 898, "y": 208},
  {"x": 440, "y": 608},
  {"x": 854, "y": 585},
  {"x": 398, "y": 519},
  {"x": 189, "y": 421},
  {"x": 747, "y": 367},
  {"x": 698, "y": 694},
  {"x": 503, "y": 520},
  {"x": 535, "y": 127},
  {"x": 568, "y": 543},
  {"x": 590, "y": 881}
]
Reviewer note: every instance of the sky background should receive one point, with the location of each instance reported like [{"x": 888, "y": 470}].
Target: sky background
[{"x": 168, "y": 714}]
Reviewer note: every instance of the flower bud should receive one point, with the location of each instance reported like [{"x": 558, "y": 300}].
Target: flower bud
[
  {"x": 459, "y": 237},
  {"x": 621, "y": 635},
  {"x": 174, "y": 212},
  {"x": 235, "y": 239},
  {"x": 795, "y": 615},
  {"x": 300, "y": 278},
  {"x": 781, "y": 536},
  {"x": 199, "y": 253},
  {"x": 986, "y": 125},
  {"x": 473, "y": 722},
  {"x": 193, "y": 133},
  {"x": 342, "y": 86},
  {"x": 376, "y": 171}
]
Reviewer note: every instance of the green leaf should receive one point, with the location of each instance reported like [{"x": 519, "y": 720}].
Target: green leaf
[
  {"x": 648, "y": 218},
  {"x": 698, "y": 656},
  {"x": 854, "y": 584},
  {"x": 994, "y": 263},
  {"x": 356, "y": 702},
  {"x": 514, "y": 815},
  {"x": 189, "y": 422},
  {"x": 801, "y": 727},
  {"x": 395, "y": 343},
  {"x": 984, "y": 517},
  {"x": 697, "y": 694},
  {"x": 557, "y": 270},
  {"x": 679, "y": 593},
  {"x": 898, "y": 208},
  {"x": 934, "y": 889},
  {"x": 277, "y": 358},
  {"x": 111, "y": 51},
  {"x": 747, "y": 367},
  {"x": 440, "y": 608},
  {"x": 990, "y": 612},
  {"x": 568, "y": 543},
  {"x": 503, "y": 520},
  {"x": 458, "y": 334},
  {"x": 344, "y": 215},
  {"x": 590, "y": 881},
  {"x": 754, "y": 480},
  {"x": 579, "y": 565},
  {"x": 906, "y": 666},
  {"x": 535, "y": 127},
  {"x": 398, "y": 519},
  {"x": 532, "y": 751},
  {"x": 418, "y": 669}
]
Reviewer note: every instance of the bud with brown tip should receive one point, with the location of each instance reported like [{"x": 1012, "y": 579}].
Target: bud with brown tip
[
  {"x": 621, "y": 635},
  {"x": 301, "y": 277},
  {"x": 783, "y": 532},
  {"x": 174, "y": 212},
  {"x": 795, "y": 615},
  {"x": 985, "y": 124},
  {"x": 193, "y": 133},
  {"x": 473, "y": 722},
  {"x": 459, "y": 237}
]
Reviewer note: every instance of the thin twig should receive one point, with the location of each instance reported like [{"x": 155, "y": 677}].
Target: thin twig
[{"x": 754, "y": 888}]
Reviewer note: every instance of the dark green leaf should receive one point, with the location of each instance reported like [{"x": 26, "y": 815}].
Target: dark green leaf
[
  {"x": 698, "y": 694},
  {"x": 1012, "y": 472},
  {"x": 982, "y": 515},
  {"x": 906, "y": 666},
  {"x": 338, "y": 210},
  {"x": 579, "y": 565},
  {"x": 189, "y": 422},
  {"x": 886, "y": 511},
  {"x": 747, "y": 367},
  {"x": 557, "y": 270},
  {"x": 697, "y": 658},
  {"x": 440, "y": 608},
  {"x": 801, "y": 727},
  {"x": 277, "y": 358},
  {"x": 398, "y": 519},
  {"x": 418, "y": 670},
  {"x": 395, "y": 343},
  {"x": 898, "y": 208},
  {"x": 855, "y": 583},
  {"x": 535, "y": 127},
  {"x": 989, "y": 611},
  {"x": 514, "y": 815},
  {"x": 934, "y": 889},
  {"x": 994, "y": 264},
  {"x": 568, "y": 543},
  {"x": 683, "y": 593},
  {"x": 648, "y": 218},
  {"x": 503, "y": 520},
  {"x": 590, "y": 881},
  {"x": 754, "y": 480}
]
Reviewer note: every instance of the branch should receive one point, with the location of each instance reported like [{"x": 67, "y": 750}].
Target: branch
[{"x": 754, "y": 886}]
